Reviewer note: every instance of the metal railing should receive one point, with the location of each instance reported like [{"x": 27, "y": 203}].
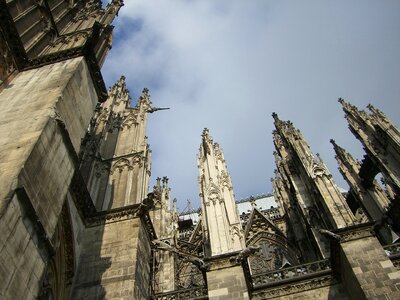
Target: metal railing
[
  {"x": 292, "y": 273},
  {"x": 393, "y": 249},
  {"x": 198, "y": 293}
]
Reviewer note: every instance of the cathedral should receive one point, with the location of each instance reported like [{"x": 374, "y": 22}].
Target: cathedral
[{"x": 78, "y": 219}]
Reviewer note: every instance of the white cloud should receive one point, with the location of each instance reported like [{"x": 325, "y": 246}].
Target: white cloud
[{"x": 227, "y": 65}]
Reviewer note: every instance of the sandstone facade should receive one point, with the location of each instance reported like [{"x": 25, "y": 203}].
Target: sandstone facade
[{"x": 77, "y": 218}]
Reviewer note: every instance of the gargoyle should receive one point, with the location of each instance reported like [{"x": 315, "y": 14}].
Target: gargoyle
[
  {"x": 199, "y": 263},
  {"x": 164, "y": 246},
  {"x": 246, "y": 252},
  {"x": 329, "y": 233}
]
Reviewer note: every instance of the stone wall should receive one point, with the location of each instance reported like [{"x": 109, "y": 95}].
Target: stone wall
[
  {"x": 114, "y": 263},
  {"x": 21, "y": 264},
  {"x": 289, "y": 292},
  {"x": 44, "y": 113},
  {"x": 363, "y": 266},
  {"x": 78, "y": 229},
  {"x": 30, "y": 107},
  {"x": 228, "y": 283}
]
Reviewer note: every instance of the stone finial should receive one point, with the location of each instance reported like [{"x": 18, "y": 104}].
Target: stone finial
[
  {"x": 206, "y": 139},
  {"x": 158, "y": 180},
  {"x": 377, "y": 113},
  {"x": 347, "y": 107},
  {"x": 279, "y": 124},
  {"x": 144, "y": 102},
  {"x": 253, "y": 202},
  {"x": 145, "y": 94},
  {"x": 205, "y": 133},
  {"x": 119, "y": 83},
  {"x": 336, "y": 147},
  {"x": 165, "y": 181}
]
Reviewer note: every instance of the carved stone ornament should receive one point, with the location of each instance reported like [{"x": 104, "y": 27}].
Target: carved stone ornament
[
  {"x": 352, "y": 235},
  {"x": 137, "y": 160},
  {"x": 130, "y": 119},
  {"x": 91, "y": 9},
  {"x": 318, "y": 171},
  {"x": 120, "y": 165},
  {"x": 103, "y": 116},
  {"x": 125, "y": 213},
  {"x": 7, "y": 65},
  {"x": 225, "y": 180},
  {"x": 296, "y": 287},
  {"x": 278, "y": 140},
  {"x": 114, "y": 122},
  {"x": 223, "y": 262},
  {"x": 101, "y": 168},
  {"x": 218, "y": 153},
  {"x": 46, "y": 17},
  {"x": 73, "y": 40}
]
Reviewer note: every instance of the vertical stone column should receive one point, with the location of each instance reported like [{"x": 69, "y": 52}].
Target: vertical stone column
[
  {"x": 361, "y": 263},
  {"x": 226, "y": 278},
  {"x": 221, "y": 221},
  {"x": 221, "y": 225}
]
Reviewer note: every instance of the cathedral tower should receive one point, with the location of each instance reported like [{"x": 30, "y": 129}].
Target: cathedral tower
[{"x": 221, "y": 220}]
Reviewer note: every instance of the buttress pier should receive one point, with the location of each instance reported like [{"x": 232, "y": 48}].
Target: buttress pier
[
  {"x": 380, "y": 139},
  {"x": 306, "y": 192}
]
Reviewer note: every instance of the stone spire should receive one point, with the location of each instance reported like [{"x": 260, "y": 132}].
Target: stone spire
[
  {"x": 372, "y": 199},
  {"x": 221, "y": 219},
  {"x": 381, "y": 141},
  {"x": 118, "y": 174},
  {"x": 295, "y": 151},
  {"x": 305, "y": 178}
]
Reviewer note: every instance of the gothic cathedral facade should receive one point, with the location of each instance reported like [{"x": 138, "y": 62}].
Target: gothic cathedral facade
[{"x": 77, "y": 217}]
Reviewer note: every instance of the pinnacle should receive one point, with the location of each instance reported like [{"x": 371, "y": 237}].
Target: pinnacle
[
  {"x": 374, "y": 110},
  {"x": 119, "y": 83},
  {"x": 275, "y": 116},
  {"x": 118, "y": 2},
  {"x": 206, "y": 133},
  {"x": 337, "y": 148}
]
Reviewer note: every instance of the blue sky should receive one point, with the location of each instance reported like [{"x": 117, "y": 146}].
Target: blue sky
[{"x": 227, "y": 65}]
